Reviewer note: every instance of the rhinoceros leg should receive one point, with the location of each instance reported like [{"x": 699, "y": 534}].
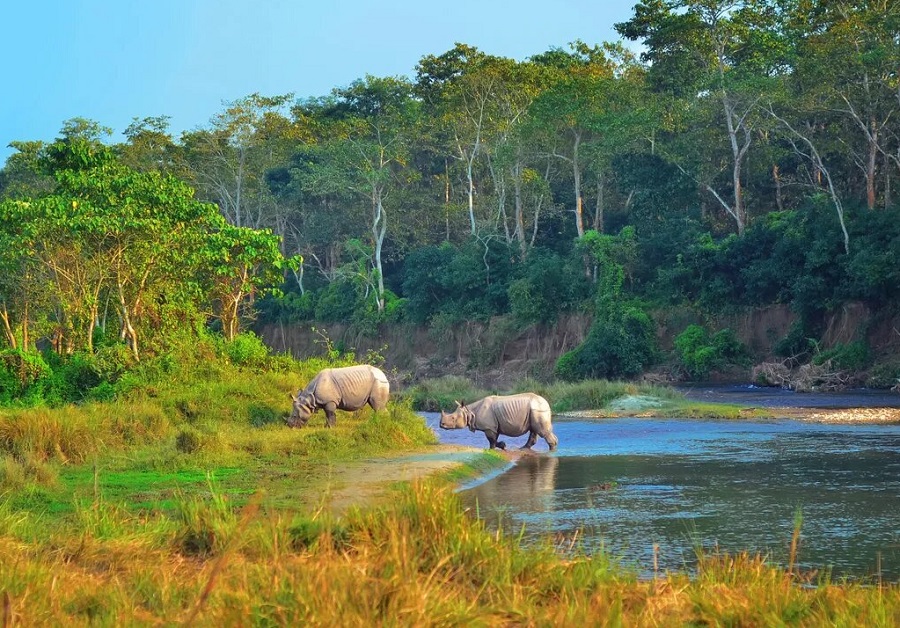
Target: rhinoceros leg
[
  {"x": 532, "y": 439},
  {"x": 492, "y": 440},
  {"x": 551, "y": 439},
  {"x": 330, "y": 416}
]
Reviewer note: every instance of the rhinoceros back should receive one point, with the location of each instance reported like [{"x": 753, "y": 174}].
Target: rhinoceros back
[{"x": 352, "y": 387}]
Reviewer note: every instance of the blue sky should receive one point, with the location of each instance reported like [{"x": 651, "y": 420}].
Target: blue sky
[{"x": 113, "y": 60}]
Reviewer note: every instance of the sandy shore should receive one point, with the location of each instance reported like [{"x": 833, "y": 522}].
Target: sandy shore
[
  {"x": 814, "y": 415},
  {"x": 370, "y": 481},
  {"x": 843, "y": 415}
]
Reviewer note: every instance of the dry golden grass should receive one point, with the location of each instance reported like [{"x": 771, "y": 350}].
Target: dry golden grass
[{"x": 419, "y": 562}]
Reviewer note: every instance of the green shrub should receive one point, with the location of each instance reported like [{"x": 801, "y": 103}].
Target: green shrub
[
  {"x": 188, "y": 441},
  {"x": 337, "y": 302},
  {"x": 204, "y": 525},
  {"x": 311, "y": 534},
  {"x": 24, "y": 377},
  {"x": 700, "y": 353},
  {"x": 73, "y": 377},
  {"x": 434, "y": 395},
  {"x": 850, "y": 357},
  {"x": 885, "y": 375},
  {"x": 548, "y": 286},
  {"x": 621, "y": 343},
  {"x": 246, "y": 349}
]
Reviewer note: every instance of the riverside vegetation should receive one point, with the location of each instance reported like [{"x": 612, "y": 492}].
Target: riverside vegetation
[
  {"x": 747, "y": 158},
  {"x": 145, "y": 472},
  {"x": 186, "y": 499}
]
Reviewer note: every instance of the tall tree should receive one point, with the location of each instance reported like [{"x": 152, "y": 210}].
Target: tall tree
[
  {"x": 709, "y": 53},
  {"x": 229, "y": 160},
  {"x": 374, "y": 123},
  {"x": 848, "y": 57}
]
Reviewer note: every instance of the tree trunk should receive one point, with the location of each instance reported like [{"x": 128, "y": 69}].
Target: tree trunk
[
  {"x": 887, "y": 183},
  {"x": 26, "y": 336},
  {"x": 599, "y": 208},
  {"x": 579, "y": 202},
  {"x": 737, "y": 153},
  {"x": 7, "y": 328},
  {"x": 379, "y": 228},
  {"x": 447, "y": 198},
  {"x": 129, "y": 333},
  {"x": 871, "y": 165},
  {"x": 520, "y": 210},
  {"x": 779, "y": 199}
]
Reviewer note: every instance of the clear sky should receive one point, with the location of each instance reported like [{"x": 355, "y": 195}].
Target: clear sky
[{"x": 113, "y": 60}]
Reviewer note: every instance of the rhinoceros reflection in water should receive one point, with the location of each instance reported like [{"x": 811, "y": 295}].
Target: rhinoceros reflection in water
[{"x": 530, "y": 485}]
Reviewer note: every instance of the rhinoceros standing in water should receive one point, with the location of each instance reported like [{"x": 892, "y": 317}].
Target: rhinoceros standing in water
[
  {"x": 347, "y": 388},
  {"x": 512, "y": 415}
]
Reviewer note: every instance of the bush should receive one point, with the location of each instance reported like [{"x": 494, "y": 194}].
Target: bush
[
  {"x": 850, "y": 357},
  {"x": 434, "y": 395},
  {"x": 549, "y": 285},
  {"x": 621, "y": 343},
  {"x": 24, "y": 377},
  {"x": 700, "y": 353},
  {"x": 885, "y": 375},
  {"x": 337, "y": 302},
  {"x": 188, "y": 441},
  {"x": 204, "y": 525},
  {"x": 246, "y": 349}
]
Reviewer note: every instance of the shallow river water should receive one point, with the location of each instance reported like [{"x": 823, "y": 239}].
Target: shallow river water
[{"x": 627, "y": 484}]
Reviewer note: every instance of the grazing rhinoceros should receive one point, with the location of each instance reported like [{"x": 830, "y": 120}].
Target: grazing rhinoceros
[
  {"x": 512, "y": 415},
  {"x": 347, "y": 388}
]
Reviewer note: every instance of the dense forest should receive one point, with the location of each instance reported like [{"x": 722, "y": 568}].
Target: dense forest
[{"x": 745, "y": 156}]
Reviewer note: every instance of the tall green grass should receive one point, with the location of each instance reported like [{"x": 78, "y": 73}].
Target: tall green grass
[
  {"x": 433, "y": 395},
  {"x": 418, "y": 560}
]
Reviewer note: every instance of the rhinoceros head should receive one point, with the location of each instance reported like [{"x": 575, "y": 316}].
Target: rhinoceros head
[
  {"x": 458, "y": 419},
  {"x": 304, "y": 406}
]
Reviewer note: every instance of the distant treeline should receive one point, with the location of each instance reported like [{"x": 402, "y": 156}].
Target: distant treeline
[{"x": 745, "y": 157}]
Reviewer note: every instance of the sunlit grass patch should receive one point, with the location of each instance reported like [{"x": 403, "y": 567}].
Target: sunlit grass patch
[
  {"x": 442, "y": 393},
  {"x": 419, "y": 559}
]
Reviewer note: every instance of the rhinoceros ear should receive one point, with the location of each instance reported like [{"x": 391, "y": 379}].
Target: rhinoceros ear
[
  {"x": 459, "y": 404},
  {"x": 291, "y": 395}
]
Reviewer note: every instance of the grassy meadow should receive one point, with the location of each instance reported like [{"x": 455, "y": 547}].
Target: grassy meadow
[{"x": 188, "y": 501}]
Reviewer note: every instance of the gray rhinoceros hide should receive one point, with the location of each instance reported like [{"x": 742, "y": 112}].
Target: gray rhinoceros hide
[
  {"x": 346, "y": 388},
  {"x": 510, "y": 415}
]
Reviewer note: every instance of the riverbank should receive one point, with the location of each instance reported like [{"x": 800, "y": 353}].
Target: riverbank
[
  {"x": 191, "y": 502},
  {"x": 885, "y": 416}
]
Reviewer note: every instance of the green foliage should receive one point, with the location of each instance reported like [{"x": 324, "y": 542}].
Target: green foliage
[
  {"x": 798, "y": 341},
  {"x": 337, "y": 302},
  {"x": 884, "y": 375},
  {"x": 312, "y": 534},
  {"x": 468, "y": 283},
  {"x": 700, "y": 353},
  {"x": 854, "y": 356},
  {"x": 204, "y": 525},
  {"x": 434, "y": 395},
  {"x": 24, "y": 377},
  {"x": 246, "y": 349},
  {"x": 620, "y": 343},
  {"x": 290, "y": 307},
  {"x": 548, "y": 286}
]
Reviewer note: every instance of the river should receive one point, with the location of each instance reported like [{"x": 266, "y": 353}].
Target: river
[{"x": 630, "y": 484}]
